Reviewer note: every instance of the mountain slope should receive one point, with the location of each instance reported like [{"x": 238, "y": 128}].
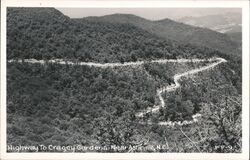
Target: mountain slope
[
  {"x": 180, "y": 32},
  {"x": 236, "y": 36},
  {"x": 45, "y": 33}
]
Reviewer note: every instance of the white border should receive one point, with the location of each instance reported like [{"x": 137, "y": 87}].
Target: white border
[{"x": 130, "y": 4}]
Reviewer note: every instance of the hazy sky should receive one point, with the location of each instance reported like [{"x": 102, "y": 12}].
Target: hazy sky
[{"x": 148, "y": 13}]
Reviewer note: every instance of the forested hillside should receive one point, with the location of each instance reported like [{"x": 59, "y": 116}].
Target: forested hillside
[
  {"x": 236, "y": 36},
  {"x": 72, "y": 104},
  {"x": 45, "y": 33},
  {"x": 169, "y": 29}
]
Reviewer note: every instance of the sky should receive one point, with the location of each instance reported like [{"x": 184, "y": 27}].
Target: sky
[{"x": 148, "y": 13}]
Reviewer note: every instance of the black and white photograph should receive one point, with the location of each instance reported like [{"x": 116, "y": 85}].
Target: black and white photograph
[{"x": 124, "y": 80}]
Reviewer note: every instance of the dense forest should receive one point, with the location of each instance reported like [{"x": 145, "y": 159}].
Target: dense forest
[
  {"x": 47, "y": 34},
  {"x": 72, "y": 104},
  {"x": 54, "y": 102}
]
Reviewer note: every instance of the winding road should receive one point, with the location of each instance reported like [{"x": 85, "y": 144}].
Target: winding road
[{"x": 168, "y": 88}]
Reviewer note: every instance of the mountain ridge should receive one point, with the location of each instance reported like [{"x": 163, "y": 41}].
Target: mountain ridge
[
  {"x": 178, "y": 31},
  {"x": 32, "y": 34}
]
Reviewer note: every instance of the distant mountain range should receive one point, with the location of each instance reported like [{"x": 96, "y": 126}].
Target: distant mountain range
[
  {"x": 223, "y": 23},
  {"x": 177, "y": 31}
]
